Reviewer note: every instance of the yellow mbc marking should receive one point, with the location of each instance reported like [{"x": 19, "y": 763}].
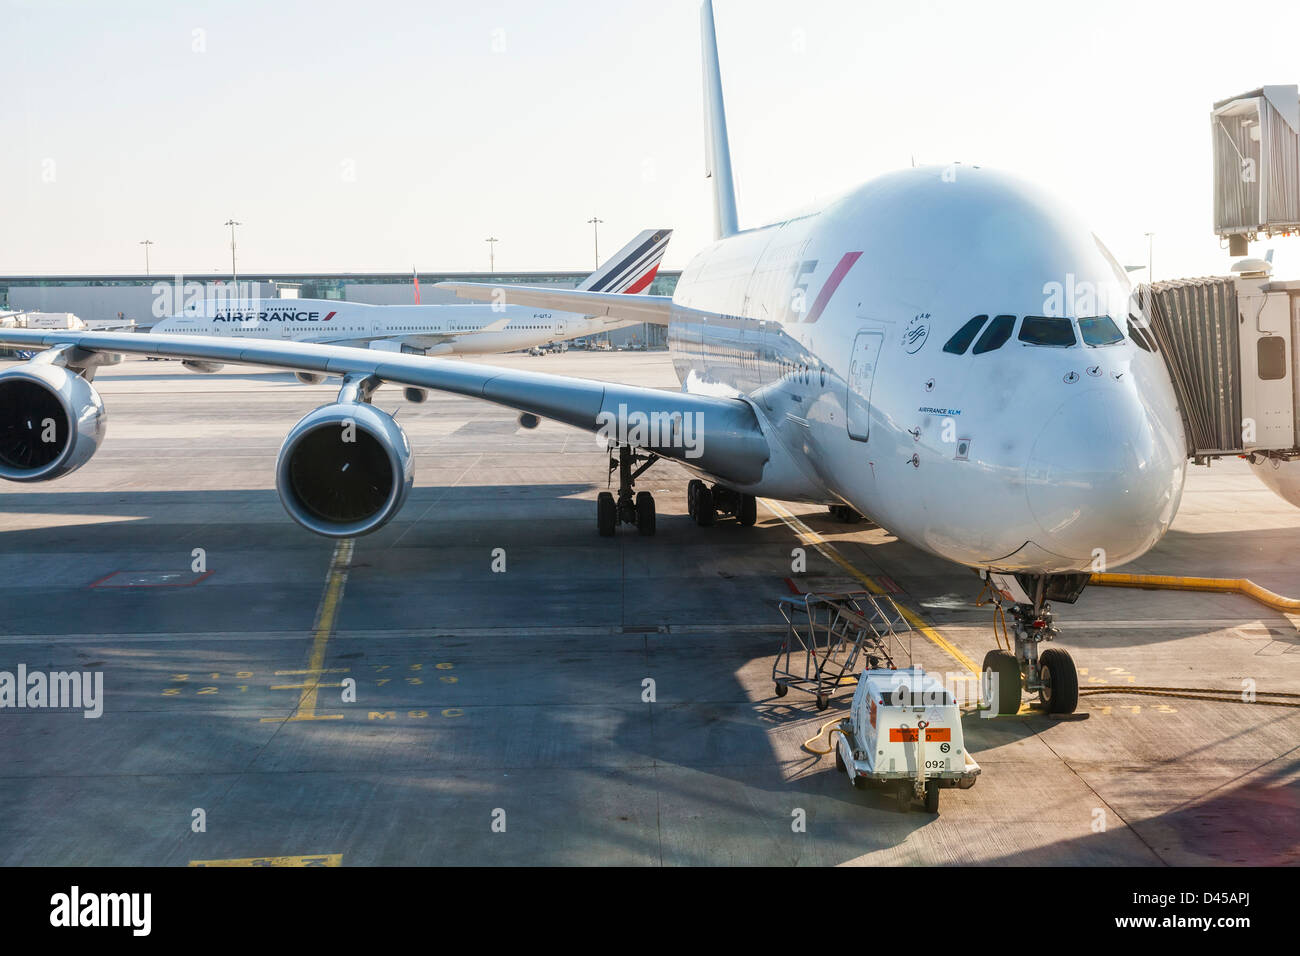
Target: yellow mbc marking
[
  {"x": 828, "y": 550},
  {"x": 329, "y": 605},
  {"x": 319, "y": 859}
]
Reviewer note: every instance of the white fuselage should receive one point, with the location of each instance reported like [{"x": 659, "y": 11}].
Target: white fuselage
[
  {"x": 1027, "y": 457},
  {"x": 433, "y": 329}
]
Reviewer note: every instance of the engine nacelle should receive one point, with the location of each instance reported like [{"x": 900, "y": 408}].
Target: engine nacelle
[
  {"x": 207, "y": 368},
  {"x": 309, "y": 378},
  {"x": 51, "y": 422},
  {"x": 344, "y": 470}
]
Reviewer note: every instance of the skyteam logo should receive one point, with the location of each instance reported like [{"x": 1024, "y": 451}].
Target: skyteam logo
[{"x": 917, "y": 331}]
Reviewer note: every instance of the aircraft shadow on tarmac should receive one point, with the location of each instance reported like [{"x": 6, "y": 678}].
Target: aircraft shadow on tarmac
[{"x": 552, "y": 725}]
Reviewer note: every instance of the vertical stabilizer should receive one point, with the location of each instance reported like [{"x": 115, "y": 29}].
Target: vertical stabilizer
[{"x": 716, "y": 150}]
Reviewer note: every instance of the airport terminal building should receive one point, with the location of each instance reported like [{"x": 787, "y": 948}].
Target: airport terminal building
[{"x": 138, "y": 298}]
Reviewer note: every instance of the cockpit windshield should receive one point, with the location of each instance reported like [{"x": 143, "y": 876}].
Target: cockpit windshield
[
  {"x": 1045, "y": 330},
  {"x": 1100, "y": 330}
]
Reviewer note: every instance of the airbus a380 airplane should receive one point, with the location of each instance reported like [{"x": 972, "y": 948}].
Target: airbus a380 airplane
[
  {"x": 893, "y": 354},
  {"x": 447, "y": 329}
]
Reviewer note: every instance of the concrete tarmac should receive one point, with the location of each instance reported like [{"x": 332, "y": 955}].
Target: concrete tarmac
[{"x": 500, "y": 715}]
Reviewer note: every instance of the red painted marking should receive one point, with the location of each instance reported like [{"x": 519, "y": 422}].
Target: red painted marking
[
  {"x": 888, "y": 583},
  {"x": 833, "y": 283},
  {"x": 794, "y": 588},
  {"x": 641, "y": 283}
]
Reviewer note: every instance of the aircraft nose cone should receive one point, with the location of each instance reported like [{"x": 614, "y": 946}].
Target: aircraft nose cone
[{"x": 1106, "y": 472}]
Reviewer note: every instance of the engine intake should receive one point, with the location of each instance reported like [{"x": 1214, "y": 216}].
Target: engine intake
[
  {"x": 51, "y": 422},
  {"x": 345, "y": 470}
]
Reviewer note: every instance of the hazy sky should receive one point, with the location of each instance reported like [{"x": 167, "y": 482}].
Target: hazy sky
[{"x": 373, "y": 136}]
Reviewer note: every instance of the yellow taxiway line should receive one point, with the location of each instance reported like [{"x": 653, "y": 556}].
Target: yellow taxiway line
[
  {"x": 325, "y": 617},
  {"x": 829, "y": 551}
]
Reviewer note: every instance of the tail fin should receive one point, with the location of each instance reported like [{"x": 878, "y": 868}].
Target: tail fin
[
  {"x": 633, "y": 267},
  {"x": 717, "y": 152}
]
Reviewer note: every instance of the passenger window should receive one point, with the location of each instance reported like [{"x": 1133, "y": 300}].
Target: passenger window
[
  {"x": 1042, "y": 330},
  {"x": 1100, "y": 330},
  {"x": 1271, "y": 352},
  {"x": 996, "y": 335},
  {"x": 964, "y": 336}
]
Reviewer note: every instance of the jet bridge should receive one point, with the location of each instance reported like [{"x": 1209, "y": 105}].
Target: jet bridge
[{"x": 1229, "y": 343}]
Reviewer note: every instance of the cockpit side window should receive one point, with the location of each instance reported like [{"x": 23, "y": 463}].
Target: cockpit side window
[
  {"x": 996, "y": 335},
  {"x": 964, "y": 336},
  {"x": 1046, "y": 330},
  {"x": 1099, "y": 330},
  {"x": 1142, "y": 336}
]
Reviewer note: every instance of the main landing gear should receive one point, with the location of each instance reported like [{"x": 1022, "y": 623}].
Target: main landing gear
[
  {"x": 1051, "y": 675},
  {"x": 638, "y": 509},
  {"x": 706, "y": 504}
]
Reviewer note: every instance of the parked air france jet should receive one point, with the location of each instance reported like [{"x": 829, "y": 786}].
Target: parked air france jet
[
  {"x": 448, "y": 329},
  {"x": 892, "y": 354}
]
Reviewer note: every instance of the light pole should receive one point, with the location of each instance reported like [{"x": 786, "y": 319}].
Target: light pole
[
  {"x": 1150, "y": 275},
  {"x": 146, "y": 243},
  {"x": 234, "y": 277},
  {"x": 492, "y": 252},
  {"x": 595, "y": 234}
]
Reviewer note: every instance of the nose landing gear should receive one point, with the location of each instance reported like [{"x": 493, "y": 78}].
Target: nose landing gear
[{"x": 1052, "y": 674}]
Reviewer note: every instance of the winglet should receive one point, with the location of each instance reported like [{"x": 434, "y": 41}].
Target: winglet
[{"x": 717, "y": 152}]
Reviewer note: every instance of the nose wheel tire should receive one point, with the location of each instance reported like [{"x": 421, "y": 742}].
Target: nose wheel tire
[
  {"x": 1059, "y": 681},
  {"x": 645, "y": 513},
  {"x": 606, "y": 514},
  {"x": 1006, "y": 683}
]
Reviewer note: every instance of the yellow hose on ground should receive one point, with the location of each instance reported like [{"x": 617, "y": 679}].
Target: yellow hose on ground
[
  {"x": 1169, "y": 582},
  {"x": 807, "y": 744}
]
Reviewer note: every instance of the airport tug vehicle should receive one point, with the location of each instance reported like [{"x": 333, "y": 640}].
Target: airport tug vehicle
[{"x": 904, "y": 731}]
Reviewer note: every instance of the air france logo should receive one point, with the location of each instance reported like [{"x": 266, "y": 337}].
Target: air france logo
[
  {"x": 917, "y": 331},
  {"x": 272, "y": 315}
]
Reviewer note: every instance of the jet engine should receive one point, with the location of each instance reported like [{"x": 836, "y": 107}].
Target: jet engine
[
  {"x": 51, "y": 422},
  {"x": 345, "y": 469},
  {"x": 206, "y": 368},
  {"x": 309, "y": 378}
]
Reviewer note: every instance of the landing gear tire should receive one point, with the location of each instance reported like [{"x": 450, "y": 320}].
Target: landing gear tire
[
  {"x": 823, "y": 701},
  {"x": 748, "y": 512},
  {"x": 839, "y": 759},
  {"x": 645, "y": 513},
  {"x": 692, "y": 495},
  {"x": 705, "y": 512},
  {"x": 844, "y": 514},
  {"x": 1060, "y": 681},
  {"x": 932, "y": 796},
  {"x": 904, "y": 797},
  {"x": 1006, "y": 670},
  {"x": 606, "y": 514},
  {"x": 782, "y": 690}
]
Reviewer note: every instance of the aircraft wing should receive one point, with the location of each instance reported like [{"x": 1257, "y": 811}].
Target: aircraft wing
[
  {"x": 655, "y": 309},
  {"x": 719, "y": 436}
]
